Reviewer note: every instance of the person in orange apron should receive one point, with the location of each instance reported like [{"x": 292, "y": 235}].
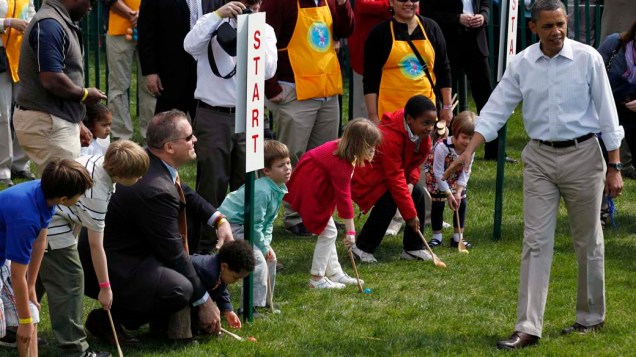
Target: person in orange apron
[
  {"x": 122, "y": 55},
  {"x": 14, "y": 18},
  {"x": 392, "y": 71},
  {"x": 303, "y": 95}
]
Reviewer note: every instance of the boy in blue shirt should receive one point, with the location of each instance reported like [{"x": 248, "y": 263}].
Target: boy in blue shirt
[
  {"x": 25, "y": 212},
  {"x": 232, "y": 263},
  {"x": 268, "y": 195}
]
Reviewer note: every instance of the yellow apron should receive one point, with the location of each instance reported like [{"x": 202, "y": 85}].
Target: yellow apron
[
  {"x": 117, "y": 24},
  {"x": 12, "y": 39},
  {"x": 403, "y": 75},
  {"x": 311, "y": 54}
]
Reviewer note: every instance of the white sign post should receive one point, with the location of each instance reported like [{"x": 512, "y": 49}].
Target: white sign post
[
  {"x": 508, "y": 38},
  {"x": 250, "y": 99},
  {"x": 511, "y": 39},
  {"x": 251, "y": 87}
]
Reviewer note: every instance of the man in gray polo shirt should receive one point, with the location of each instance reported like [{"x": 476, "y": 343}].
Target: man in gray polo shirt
[{"x": 51, "y": 96}]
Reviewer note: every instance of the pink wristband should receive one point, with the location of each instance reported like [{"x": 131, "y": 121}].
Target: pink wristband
[
  {"x": 351, "y": 233},
  {"x": 105, "y": 284}
]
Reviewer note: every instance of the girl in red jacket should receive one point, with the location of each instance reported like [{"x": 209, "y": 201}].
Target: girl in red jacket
[
  {"x": 391, "y": 180},
  {"x": 320, "y": 183}
]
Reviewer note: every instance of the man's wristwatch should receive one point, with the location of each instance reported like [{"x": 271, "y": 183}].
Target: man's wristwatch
[{"x": 618, "y": 166}]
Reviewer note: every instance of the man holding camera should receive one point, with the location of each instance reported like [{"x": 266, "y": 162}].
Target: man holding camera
[{"x": 221, "y": 152}]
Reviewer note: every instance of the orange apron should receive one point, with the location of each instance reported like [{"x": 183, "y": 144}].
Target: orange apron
[
  {"x": 117, "y": 24},
  {"x": 403, "y": 76},
  {"x": 311, "y": 54},
  {"x": 12, "y": 39}
]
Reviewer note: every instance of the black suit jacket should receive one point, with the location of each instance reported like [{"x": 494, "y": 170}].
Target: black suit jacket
[
  {"x": 142, "y": 230},
  {"x": 446, "y": 13},
  {"x": 162, "y": 27}
]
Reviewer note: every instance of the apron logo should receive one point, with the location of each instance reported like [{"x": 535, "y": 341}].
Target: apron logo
[
  {"x": 319, "y": 37},
  {"x": 410, "y": 67}
]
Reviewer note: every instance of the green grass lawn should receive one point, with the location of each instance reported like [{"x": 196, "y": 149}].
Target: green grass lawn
[{"x": 417, "y": 309}]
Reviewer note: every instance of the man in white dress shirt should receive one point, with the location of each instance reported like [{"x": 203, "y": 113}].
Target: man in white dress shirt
[
  {"x": 567, "y": 99},
  {"x": 221, "y": 152}
]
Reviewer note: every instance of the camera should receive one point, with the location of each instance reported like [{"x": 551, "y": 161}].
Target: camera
[{"x": 247, "y": 11}]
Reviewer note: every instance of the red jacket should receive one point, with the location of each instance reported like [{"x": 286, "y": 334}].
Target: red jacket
[
  {"x": 367, "y": 14},
  {"x": 321, "y": 182},
  {"x": 396, "y": 164}
]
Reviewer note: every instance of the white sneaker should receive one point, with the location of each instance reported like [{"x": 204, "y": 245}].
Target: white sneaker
[
  {"x": 325, "y": 283},
  {"x": 445, "y": 225},
  {"x": 344, "y": 278},
  {"x": 416, "y": 255},
  {"x": 362, "y": 255}
]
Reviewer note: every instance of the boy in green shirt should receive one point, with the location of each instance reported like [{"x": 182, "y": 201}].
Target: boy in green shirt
[{"x": 268, "y": 195}]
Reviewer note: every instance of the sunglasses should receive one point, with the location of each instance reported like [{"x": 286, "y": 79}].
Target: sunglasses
[{"x": 187, "y": 139}]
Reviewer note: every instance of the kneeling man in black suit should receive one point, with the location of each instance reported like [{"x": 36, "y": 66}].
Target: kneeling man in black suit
[{"x": 145, "y": 240}]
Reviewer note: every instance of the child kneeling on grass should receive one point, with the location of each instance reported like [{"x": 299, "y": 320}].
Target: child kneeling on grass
[
  {"x": 453, "y": 188},
  {"x": 25, "y": 212},
  {"x": 391, "y": 180},
  {"x": 268, "y": 195},
  {"x": 123, "y": 164},
  {"x": 232, "y": 263},
  {"x": 320, "y": 183}
]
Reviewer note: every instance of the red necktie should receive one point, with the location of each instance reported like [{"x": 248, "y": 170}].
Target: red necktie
[{"x": 183, "y": 222}]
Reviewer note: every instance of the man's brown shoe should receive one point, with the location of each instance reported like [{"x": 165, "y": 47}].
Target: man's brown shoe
[
  {"x": 577, "y": 327},
  {"x": 518, "y": 340}
]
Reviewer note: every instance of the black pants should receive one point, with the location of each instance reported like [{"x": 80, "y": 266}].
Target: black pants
[
  {"x": 188, "y": 106},
  {"x": 153, "y": 293},
  {"x": 220, "y": 163},
  {"x": 373, "y": 231},
  {"x": 470, "y": 61},
  {"x": 437, "y": 215}
]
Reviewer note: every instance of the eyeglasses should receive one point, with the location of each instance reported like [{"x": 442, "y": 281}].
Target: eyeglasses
[
  {"x": 187, "y": 139},
  {"x": 413, "y": 1}
]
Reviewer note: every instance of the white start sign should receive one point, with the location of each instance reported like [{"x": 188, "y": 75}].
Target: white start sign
[{"x": 251, "y": 87}]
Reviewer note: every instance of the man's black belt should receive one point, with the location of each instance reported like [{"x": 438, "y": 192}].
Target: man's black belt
[
  {"x": 22, "y": 108},
  {"x": 566, "y": 143},
  {"x": 228, "y": 110}
]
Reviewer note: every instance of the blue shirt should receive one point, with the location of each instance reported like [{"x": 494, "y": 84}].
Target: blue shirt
[
  {"x": 23, "y": 214},
  {"x": 50, "y": 43},
  {"x": 208, "y": 267}
]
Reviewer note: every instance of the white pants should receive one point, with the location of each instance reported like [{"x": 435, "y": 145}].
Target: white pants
[
  {"x": 325, "y": 260},
  {"x": 261, "y": 270}
]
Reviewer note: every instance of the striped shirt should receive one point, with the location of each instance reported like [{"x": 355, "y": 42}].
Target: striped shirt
[{"x": 89, "y": 211}]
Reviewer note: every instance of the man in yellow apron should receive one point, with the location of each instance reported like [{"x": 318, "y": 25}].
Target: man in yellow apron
[{"x": 303, "y": 96}]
